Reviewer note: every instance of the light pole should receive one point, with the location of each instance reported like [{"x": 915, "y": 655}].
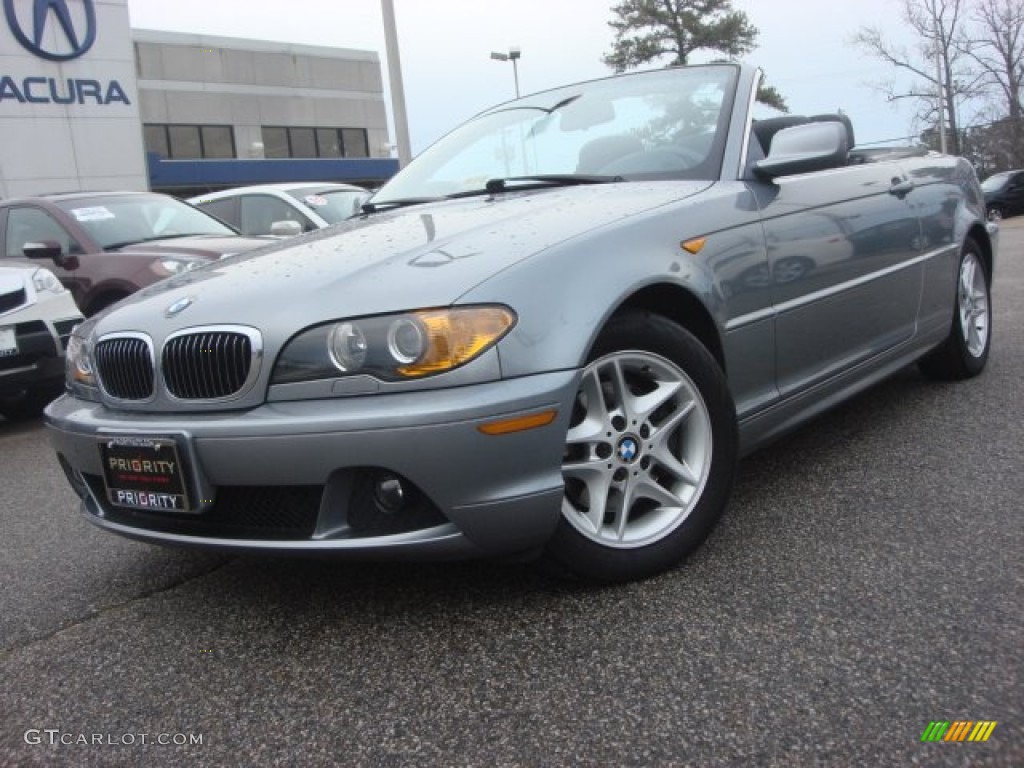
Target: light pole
[
  {"x": 513, "y": 56},
  {"x": 941, "y": 86},
  {"x": 395, "y": 80}
]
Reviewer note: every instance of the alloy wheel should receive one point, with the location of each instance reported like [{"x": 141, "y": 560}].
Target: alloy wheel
[
  {"x": 972, "y": 299},
  {"x": 638, "y": 451}
]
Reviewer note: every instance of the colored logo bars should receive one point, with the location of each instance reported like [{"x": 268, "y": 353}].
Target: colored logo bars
[{"x": 958, "y": 730}]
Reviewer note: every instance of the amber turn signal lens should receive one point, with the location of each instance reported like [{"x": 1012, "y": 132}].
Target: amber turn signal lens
[
  {"x": 456, "y": 336},
  {"x": 694, "y": 246},
  {"x": 518, "y": 423}
]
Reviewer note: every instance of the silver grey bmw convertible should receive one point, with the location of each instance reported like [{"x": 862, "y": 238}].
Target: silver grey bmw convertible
[{"x": 553, "y": 334}]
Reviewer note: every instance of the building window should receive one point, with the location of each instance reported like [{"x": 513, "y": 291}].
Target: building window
[
  {"x": 329, "y": 142},
  {"x": 275, "y": 142},
  {"x": 189, "y": 142},
  {"x": 218, "y": 141},
  {"x": 155, "y": 137},
  {"x": 314, "y": 142},
  {"x": 303, "y": 142},
  {"x": 185, "y": 142},
  {"x": 355, "y": 143}
]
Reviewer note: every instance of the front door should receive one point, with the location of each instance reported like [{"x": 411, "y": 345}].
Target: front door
[{"x": 845, "y": 277}]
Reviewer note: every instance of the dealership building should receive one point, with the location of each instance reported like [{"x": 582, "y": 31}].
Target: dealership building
[{"x": 86, "y": 102}]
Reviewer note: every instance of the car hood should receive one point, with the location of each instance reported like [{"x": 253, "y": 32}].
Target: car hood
[
  {"x": 15, "y": 270},
  {"x": 426, "y": 255},
  {"x": 200, "y": 246},
  {"x": 12, "y": 279}
]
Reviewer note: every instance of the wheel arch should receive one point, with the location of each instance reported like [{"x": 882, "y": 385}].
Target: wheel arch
[
  {"x": 682, "y": 307},
  {"x": 979, "y": 234}
]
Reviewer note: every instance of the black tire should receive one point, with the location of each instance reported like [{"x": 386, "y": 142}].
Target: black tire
[
  {"x": 681, "y": 446},
  {"x": 964, "y": 353},
  {"x": 996, "y": 213},
  {"x": 27, "y": 404}
]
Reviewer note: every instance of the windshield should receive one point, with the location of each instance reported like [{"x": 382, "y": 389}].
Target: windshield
[
  {"x": 995, "y": 183},
  {"x": 120, "y": 220},
  {"x": 332, "y": 205},
  {"x": 664, "y": 124}
]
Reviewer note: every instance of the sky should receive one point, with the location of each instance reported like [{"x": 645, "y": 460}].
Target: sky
[{"x": 448, "y": 74}]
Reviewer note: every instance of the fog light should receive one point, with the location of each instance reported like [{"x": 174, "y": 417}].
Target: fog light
[{"x": 388, "y": 493}]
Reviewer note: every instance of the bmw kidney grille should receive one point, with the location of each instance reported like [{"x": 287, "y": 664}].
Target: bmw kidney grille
[
  {"x": 199, "y": 364},
  {"x": 125, "y": 367}
]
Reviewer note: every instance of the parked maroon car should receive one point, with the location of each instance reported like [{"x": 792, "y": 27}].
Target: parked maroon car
[{"x": 107, "y": 245}]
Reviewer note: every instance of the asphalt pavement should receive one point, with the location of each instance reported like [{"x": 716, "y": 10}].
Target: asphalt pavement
[{"x": 867, "y": 579}]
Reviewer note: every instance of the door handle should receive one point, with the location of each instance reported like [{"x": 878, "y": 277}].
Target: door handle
[{"x": 901, "y": 188}]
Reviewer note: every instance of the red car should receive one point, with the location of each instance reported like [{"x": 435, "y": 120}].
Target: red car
[{"x": 107, "y": 245}]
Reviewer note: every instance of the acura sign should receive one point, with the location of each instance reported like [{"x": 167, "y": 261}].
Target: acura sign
[
  {"x": 68, "y": 107},
  {"x": 59, "y": 31},
  {"x": 47, "y": 90}
]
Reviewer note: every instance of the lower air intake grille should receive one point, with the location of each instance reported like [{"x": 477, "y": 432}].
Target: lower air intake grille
[
  {"x": 125, "y": 367},
  {"x": 275, "y": 513}
]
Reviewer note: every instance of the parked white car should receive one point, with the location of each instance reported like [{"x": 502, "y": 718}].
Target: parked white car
[
  {"x": 284, "y": 209},
  {"x": 37, "y": 315}
]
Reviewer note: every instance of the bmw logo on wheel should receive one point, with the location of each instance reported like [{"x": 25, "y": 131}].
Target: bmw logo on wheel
[{"x": 628, "y": 449}]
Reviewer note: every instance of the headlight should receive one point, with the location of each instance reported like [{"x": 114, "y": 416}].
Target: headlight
[
  {"x": 394, "y": 347},
  {"x": 46, "y": 282},
  {"x": 167, "y": 267},
  {"x": 78, "y": 367}
]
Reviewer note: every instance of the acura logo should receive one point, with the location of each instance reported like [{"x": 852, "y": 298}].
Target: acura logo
[{"x": 71, "y": 33}]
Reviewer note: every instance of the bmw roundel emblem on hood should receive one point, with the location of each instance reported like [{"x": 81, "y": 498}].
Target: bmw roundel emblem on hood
[{"x": 178, "y": 307}]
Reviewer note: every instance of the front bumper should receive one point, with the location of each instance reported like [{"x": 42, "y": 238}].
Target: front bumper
[{"x": 292, "y": 476}]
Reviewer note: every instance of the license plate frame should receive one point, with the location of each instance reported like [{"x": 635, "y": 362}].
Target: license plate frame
[
  {"x": 8, "y": 341},
  {"x": 144, "y": 472}
]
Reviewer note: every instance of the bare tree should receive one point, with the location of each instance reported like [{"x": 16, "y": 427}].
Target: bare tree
[
  {"x": 938, "y": 64},
  {"x": 996, "y": 45}
]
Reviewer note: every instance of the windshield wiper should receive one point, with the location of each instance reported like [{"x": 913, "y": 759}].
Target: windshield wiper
[
  {"x": 386, "y": 205},
  {"x": 175, "y": 236},
  {"x": 547, "y": 179},
  {"x": 493, "y": 186}
]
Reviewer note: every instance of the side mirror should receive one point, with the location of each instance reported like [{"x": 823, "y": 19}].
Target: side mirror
[
  {"x": 286, "y": 228},
  {"x": 50, "y": 249},
  {"x": 804, "y": 149}
]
